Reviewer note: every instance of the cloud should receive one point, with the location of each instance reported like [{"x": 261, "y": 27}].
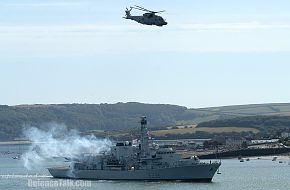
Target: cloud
[
  {"x": 234, "y": 26},
  {"x": 97, "y": 27},
  {"x": 106, "y": 38},
  {"x": 101, "y": 27},
  {"x": 39, "y": 4}
]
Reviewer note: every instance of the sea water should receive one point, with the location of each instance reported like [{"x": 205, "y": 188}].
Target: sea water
[{"x": 235, "y": 175}]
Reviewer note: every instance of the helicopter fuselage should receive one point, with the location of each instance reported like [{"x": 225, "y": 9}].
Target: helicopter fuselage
[{"x": 148, "y": 19}]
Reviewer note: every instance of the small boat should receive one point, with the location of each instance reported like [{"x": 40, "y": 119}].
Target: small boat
[
  {"x": 218, "y": 171},
  {"x": 280, "y": 162},
  {"x": 242, "y": 160},
  {"x": 275, "y": 158},
  {"x": 16, "y": 157},
  {"x": 248, "y": 159}
]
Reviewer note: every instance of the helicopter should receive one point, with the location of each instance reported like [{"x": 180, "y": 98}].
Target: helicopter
[{"x": 148, "y": 18}]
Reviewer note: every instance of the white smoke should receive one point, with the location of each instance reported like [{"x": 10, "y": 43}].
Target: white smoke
[{"x": 59, "y": 142}]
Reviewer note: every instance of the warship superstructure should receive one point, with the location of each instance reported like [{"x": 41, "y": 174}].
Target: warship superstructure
[{"x": 143, "y": 160}]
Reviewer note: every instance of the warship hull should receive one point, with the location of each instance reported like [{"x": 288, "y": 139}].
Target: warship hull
[
  {"x": 145, "y": 160},
  {"x": 200, "y": 172}
]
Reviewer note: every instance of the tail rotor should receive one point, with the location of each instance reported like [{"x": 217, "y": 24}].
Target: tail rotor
[{"x": 128, "y": 12}]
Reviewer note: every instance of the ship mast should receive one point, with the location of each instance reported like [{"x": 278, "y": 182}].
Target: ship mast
[{"x": 144, "y": 137}]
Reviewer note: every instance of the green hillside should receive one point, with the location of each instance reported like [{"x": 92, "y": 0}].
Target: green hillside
[
  {"x": 266, "y": 125},
  {"x": 120, "y": 116},
  {"x": 85, "y": 117},
  {"x": 258, "y": 122},
  {"x": 226, "y": 112}
]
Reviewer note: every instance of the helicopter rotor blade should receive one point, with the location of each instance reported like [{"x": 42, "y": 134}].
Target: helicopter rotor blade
[
  {"x": 146, "y": 10},
  {"x": 160, "y": 11},
  {"x": 137, "y": 8},
  {"x": 142, "y": 9}
]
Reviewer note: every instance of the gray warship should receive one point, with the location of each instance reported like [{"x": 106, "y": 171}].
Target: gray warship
[{"x": 143, "y": 160}]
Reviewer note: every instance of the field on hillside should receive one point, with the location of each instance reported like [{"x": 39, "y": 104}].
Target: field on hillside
[{"x": 205, "y": 129}]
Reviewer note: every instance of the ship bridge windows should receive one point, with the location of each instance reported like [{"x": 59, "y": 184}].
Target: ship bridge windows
[
  {"x": 170, "y": 152},
  {"x": 127, "y": 143},
  {"x": 119, "y": 144}
]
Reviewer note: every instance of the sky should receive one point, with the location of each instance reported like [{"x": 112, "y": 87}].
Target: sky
[{"x": 211, "y": 53}]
